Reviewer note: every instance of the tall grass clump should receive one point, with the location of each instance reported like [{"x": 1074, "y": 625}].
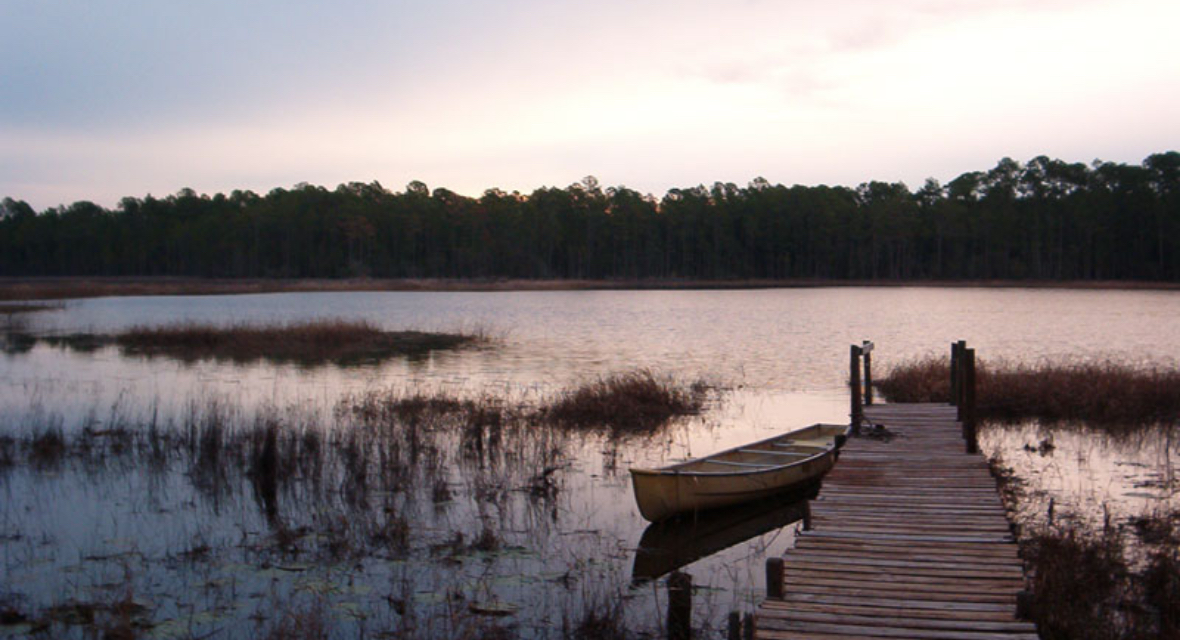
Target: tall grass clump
[
  {"x": 1078, "y": 585},
  {"x": 1085, "y": 587},
  {"x": 312, "y": 342},
  {"x": 635, "y": 401},
  {"x": 920, "y": 380},
  {"x": 1103, "y": 393}
]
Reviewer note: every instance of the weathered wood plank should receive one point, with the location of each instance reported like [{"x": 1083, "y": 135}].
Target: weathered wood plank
[
  {"x": 876, "y": 600},
  {"x": 984, "y": 539},
  {"x": 907, "y": 622},
  {"x": 784, "y": 608},
  {"x": 873, "y": 631},
  {"x": 838, "y": 562}
]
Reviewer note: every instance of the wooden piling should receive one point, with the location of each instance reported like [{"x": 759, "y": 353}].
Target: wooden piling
[
  {"x": 854, "y": 382},
  {"x": 774, "y": 578},
  {"x": 969, "y": 400},
  {"x": 867, "y": 353},
  {"x": 735, "y": 626},
  {"x": 679, "y": 606},
  {"x": 955, "y": 373}
]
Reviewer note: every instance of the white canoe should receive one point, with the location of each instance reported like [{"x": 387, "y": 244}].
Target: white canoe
[{"x": 738, "y": 475}]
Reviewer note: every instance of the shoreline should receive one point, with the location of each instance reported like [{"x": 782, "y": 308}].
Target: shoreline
[{"x": 60, "y": 288}]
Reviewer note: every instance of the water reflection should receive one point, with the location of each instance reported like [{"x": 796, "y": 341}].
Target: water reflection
[
  {"x": 676, "y": 542},
  {"x": 219, "y": 551}
]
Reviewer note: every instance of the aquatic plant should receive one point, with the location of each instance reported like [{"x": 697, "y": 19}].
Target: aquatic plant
[
  {"x": 635, "y": 401},
  {"x": 313, "y": 342}
]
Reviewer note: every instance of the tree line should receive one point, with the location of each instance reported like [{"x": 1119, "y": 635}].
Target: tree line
[{"x": 1045, "y": 219}]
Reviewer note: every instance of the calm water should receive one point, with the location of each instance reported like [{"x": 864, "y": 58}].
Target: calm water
[{"x": 201, "y": 561}]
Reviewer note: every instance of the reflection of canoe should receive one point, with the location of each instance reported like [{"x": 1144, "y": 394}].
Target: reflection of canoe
[
  {"x": 668, "y": 545},
  {"x": 738, "y": 475}
]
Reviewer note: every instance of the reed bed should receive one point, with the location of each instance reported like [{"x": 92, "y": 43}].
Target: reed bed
[
  {"x": 17, "y": 308},
  {"x": 1085, "y": 588},
  {"x": 632, "y": 402},
  {"x": 335, "y": 340},
  {"x": 349, "y": 487},
  {"x": 1106, "y": 393},
  {"x": 311, "y": 342}
]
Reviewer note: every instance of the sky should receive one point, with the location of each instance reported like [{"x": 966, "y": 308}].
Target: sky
[{"x": 101, "y": 99}]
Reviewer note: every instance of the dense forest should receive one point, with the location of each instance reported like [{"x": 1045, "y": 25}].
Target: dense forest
[{"x": 1045, "y": 219}]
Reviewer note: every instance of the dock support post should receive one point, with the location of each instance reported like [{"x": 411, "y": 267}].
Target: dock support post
[
  {"x": 961, "y": 380},
  {"x": 868, "y": 358},
  {"x": 1024, "y": 605},
  {"x": 679, "y": 606},
  {"x": 854, "y": 382},
  {"x": 955, "y": 373},
  {"x": 735, "y": 626},
  {"x": 748, "y": 627},
  {"x": 968, "y": 408},
  {"x": 774, "y": 578}
]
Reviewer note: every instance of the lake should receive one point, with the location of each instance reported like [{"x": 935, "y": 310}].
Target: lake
[{"x": 465, "y": 538}]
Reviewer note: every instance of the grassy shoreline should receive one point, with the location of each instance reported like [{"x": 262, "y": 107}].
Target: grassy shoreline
[{"x": 56, "y": 288}]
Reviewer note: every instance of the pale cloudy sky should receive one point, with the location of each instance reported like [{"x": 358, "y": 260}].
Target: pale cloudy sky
[{"x": 105, "y": 98}]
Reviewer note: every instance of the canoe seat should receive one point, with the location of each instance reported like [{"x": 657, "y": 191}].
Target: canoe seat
[
  {"x": 789, "y": 454},
  {"x": 819, "y": 444},
  {"x": 757, "y": 465}
]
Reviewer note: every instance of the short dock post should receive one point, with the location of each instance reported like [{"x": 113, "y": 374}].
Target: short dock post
[
  {"x": 735, "y": 626},
  {"x": 1024, "y": 605},
  {"x": 854, "y": 381},
  {"x": 774, "y": 578},
  {"x": 969, "y": 400},
  {"x": 679, "y": 606},
  {"x": 748, "y": 627}
]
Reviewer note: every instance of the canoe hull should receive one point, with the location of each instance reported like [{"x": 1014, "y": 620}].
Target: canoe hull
[{"x": 663, "y": 493}]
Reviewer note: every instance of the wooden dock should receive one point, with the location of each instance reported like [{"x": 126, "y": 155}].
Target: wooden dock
[{"x": 908, "y": 539}]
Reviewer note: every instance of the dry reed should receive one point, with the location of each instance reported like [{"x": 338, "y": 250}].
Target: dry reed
[
  {"x": 1105, "y": 393},
  {"x": 633, "y": 402},
  {"x": 336, "y": 340}
]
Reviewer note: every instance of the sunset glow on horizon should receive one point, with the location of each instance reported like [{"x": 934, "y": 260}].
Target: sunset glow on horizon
[{"x": 127, "y": 98}]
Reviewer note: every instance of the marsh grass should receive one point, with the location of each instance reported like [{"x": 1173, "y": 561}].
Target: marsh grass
[
  {"x": 1108, "y": 394},
  {"x": 10, "y": 308},
  {"x": 318, "y": 341},
  {"x": 633, "y": 402},
  {"x": 344, "y": 486},
  {"x": 1084, "y": 587}
]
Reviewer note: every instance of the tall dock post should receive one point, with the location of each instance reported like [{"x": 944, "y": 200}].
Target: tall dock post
[
  {"x": 866, "y": 350},
  {"x": 854, "y": 381},
  {"x": 955, "y": 373},
  {"x": 967, "y": 410}
]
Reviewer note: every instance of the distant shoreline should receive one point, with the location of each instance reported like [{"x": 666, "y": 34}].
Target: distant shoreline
[{"x": 72, "y": 287}]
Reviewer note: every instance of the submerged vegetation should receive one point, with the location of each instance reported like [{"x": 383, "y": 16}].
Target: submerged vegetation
[
  {"x": 1109, "y": 394},
  {"x": 1045, "y": 219},
  {"x": 310, "y": 342}
]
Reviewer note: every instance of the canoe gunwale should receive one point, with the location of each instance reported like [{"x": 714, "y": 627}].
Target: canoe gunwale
[{"x": 672, "y": 471}]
